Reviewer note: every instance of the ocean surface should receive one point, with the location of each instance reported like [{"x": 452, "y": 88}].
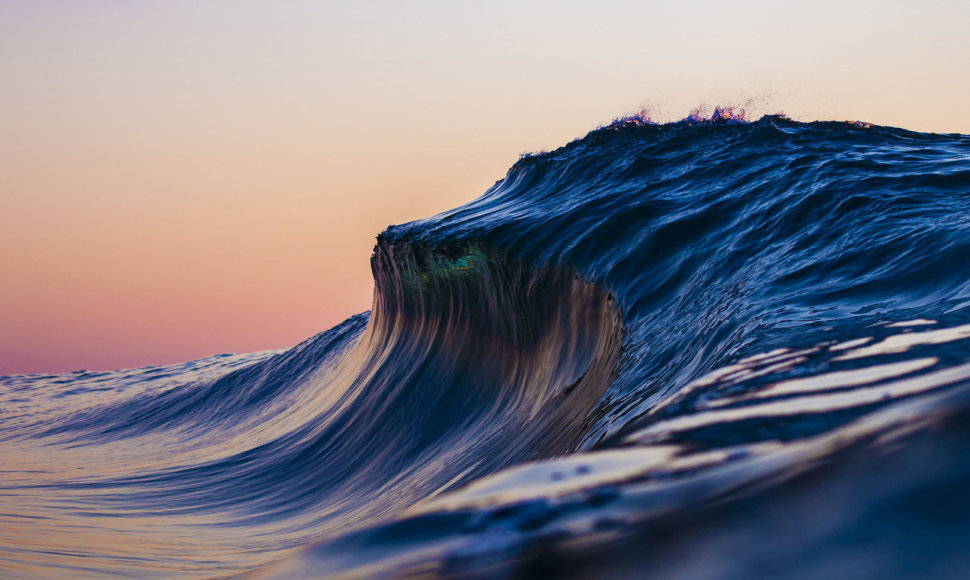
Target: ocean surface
[{"x": 703, "y": 349}]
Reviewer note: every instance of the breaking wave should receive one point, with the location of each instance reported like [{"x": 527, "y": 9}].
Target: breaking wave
[{"x": 712, "y": 348}]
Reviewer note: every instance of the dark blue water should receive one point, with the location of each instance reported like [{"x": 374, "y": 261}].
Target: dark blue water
[{"x": 706, "y": 349}]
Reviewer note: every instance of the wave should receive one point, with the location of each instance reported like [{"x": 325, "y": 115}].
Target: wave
[{"x": 656, "y": 332}]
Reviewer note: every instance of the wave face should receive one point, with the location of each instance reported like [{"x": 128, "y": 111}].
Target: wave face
[{"x": 710, "y": 348}]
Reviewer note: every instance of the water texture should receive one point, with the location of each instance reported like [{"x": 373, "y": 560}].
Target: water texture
[{"x": 709, "y": 349}]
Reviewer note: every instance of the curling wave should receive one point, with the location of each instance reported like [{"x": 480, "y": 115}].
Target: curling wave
[{"x": 628, "y": 356}]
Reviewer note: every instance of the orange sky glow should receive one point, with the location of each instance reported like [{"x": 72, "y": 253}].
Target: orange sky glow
[{"x": 181, "y": 179}]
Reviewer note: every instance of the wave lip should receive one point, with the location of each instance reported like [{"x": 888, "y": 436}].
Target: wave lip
[{"x": 497, "y": 336}]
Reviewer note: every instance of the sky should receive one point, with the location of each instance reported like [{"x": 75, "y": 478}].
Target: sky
[{"x": 180, "y": 179}]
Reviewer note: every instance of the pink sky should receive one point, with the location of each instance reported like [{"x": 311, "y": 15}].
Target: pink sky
[{"x": 179, "y": 179}]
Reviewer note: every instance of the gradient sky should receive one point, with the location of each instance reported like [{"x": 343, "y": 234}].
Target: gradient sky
[{"x": 180, "y": 179}]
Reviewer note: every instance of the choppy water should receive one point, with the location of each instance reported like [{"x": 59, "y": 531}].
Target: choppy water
[{"x": 708, "y": 349}]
